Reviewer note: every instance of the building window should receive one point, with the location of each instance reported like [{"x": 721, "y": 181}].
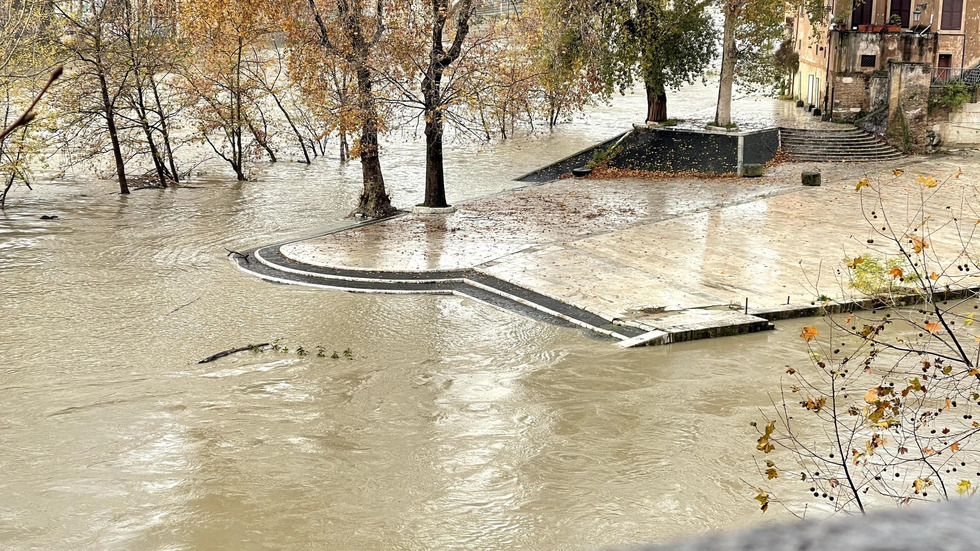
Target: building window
[
  {"x": 861, "y": 13},
  {"x": 903, "y": 9},
  {"x": 869, "y": 61},
  {"x": 952, "y": 15}
]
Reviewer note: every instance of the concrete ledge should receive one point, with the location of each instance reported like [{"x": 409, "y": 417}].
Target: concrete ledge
[{"x": 651, "y": 338}]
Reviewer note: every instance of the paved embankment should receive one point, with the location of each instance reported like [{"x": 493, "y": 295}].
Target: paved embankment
[{"x": 644, "y": 262}]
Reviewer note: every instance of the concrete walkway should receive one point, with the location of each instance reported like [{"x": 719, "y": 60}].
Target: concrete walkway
[{"x": 647, "y": 262}]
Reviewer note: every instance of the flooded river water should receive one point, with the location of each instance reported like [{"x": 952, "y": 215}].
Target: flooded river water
[{"x": 455, "y": 425}]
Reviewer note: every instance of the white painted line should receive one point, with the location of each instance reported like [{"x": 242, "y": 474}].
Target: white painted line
[
  {"x": 475, "y": 284},
  {"x": 281, "y": 268},
  {"x": 546, "y": 310}
]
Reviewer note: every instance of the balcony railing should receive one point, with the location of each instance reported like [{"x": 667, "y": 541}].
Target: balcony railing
[{"x": 949, "y": 75}]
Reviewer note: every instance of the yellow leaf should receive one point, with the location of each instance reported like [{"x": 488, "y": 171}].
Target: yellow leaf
[
  {"x": 969, "y": 319},
  {"x": 763, "y": 498},
  {"x": 856, "y": 261},
  {"x": 871, "y": 396},
  {"x": 809, "y": 332},
  {"x": 895, "y": 273},
  {"x": 898, "y": 172},
  {"x": 764, "y": 444},
  {"x": 771, "y": 474},
  {"x": 927, "y": 181},
  {"x": 863, "y": 183},
  {"x": 963, "y": 487},
  {"x": 958, "y": 173},
  {"x": 921, "y": 484},
  {"x": 934, "y": 276},
  {"x": 974, "y": 372},
  {"x": 814, "y": 405}
]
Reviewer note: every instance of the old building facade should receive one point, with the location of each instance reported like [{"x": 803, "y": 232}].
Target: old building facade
[{"x": 879, "y": 56}]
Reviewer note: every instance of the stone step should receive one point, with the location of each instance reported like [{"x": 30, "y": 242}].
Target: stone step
[
  {"x": 875, "y": 159},
  {"x": 831, "y": 139},
  {"x": 808, "y": 141},
  {"x": 838, "y": 150},
  {"x": 824, "y": 133},
  {"x": 835, "y": 145}
]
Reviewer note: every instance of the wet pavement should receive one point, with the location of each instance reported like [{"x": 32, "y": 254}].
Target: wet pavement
[{"x": 673, "y": 257}]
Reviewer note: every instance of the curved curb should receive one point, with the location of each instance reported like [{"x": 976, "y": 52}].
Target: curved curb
[{"x": 269, "y": 264}]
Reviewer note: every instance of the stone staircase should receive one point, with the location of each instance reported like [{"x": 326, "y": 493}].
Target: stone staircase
[
  {"x": 972, "y": 77},
  {"x": 845, "y": 145}
]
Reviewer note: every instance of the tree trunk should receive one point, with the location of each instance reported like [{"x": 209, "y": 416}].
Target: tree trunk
[
  {"x": 344, "y": 147},
  {"x": 656, "y": 104},
  {"x": 723, "y": 115},
  {"x": 374, "y": 202},
  {"x": 289, "y": 120},
  {"x": 164, "y": 131},
  {"x": 113, "y": 134},
  {"x": 139, "y": 104},
  {"x": 435, "y": 181}
]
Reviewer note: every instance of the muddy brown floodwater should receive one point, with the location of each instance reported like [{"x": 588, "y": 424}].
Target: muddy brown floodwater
[{"x": 456, "y": 425}]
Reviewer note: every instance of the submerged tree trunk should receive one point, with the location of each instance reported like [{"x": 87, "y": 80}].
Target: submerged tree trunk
[
  {"x": 723, "y": 114},
  {"x": 344, "y": 147},
  {"x": 164, "y": 131},
  {"x": 110, "y": 120},
  {"x": 374, "y": 201},
  {"x": 656, "y": 104}
]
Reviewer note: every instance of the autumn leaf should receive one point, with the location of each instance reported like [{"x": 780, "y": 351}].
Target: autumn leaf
[
  {"x": 848, "y": 320},
  {"x": 963, "y": 487},
  {"x": 809, "y": 332},
  {"x": 853, "y": 263},
  {"x": 927, "y": 181},
  {"x": 928, "y": 451},
  {"x": 896, "y": 273},
  {"x": 771, "y": 474},
  {"x": 898, "y": 172},
  {"x": 763, "y": 498},
  {"x": 863, "y": 183},
  {"x": 871, "y": 396},
  {"x": 974, "y": 372},
  {"x": 934, "y": 276},
  {"x": 764, "y": 444},
  {"x": 969, "y": 319},
  {"x": 921, "y": 484},
  {"x": 814, "y": 405},
  {"x": 955, "y": 447},
  {"x": 933, "y": 327},
  {"x": 918, "y": 243},
  {"x": 957, "y": 174}
]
